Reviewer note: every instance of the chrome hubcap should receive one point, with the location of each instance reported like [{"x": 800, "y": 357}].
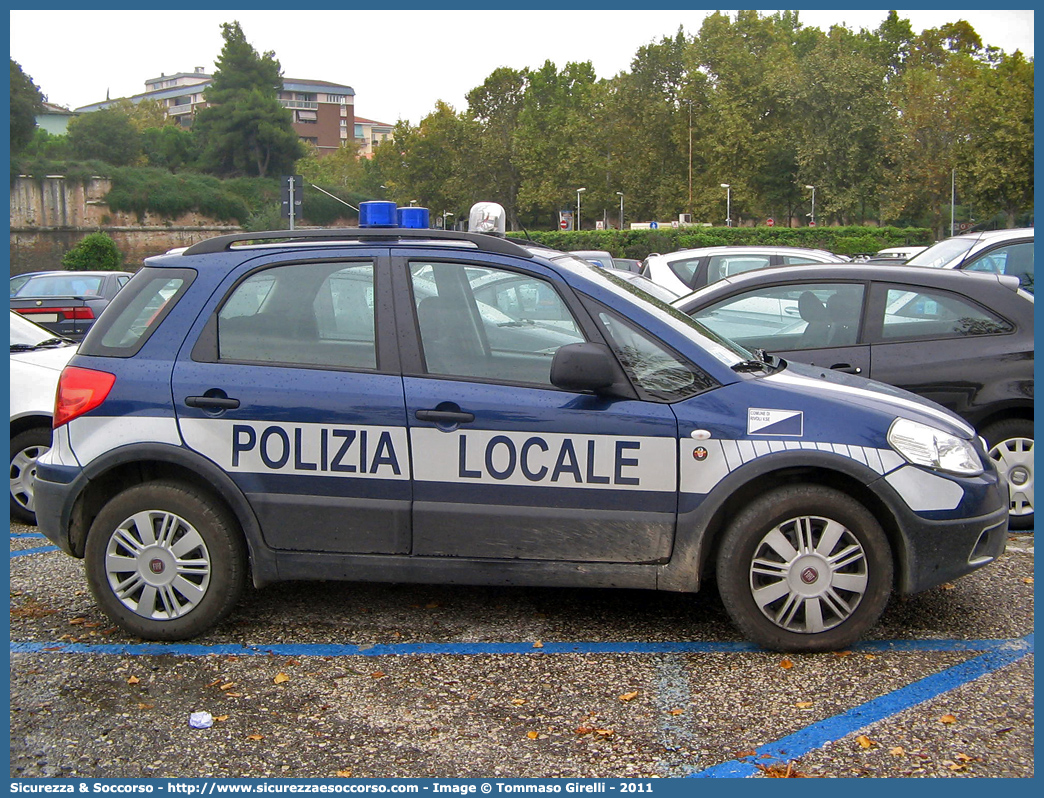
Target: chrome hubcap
[
  {"x": 1014, "y": 459},
  {"x": 158, "y": 565},
  {"x": 23, "y": 476},
  {"x": 808, "y": 574}
]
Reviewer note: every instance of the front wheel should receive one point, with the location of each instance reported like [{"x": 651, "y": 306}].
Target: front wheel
[
  {"x": 804, "y": 568},
  {"x": 1011, "y": 448},
  {"x": 164, "y": 563},
  {"x": 26, "y": 448}
]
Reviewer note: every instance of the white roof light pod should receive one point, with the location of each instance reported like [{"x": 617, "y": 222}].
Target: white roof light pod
[{"x": 487, "y": 217}]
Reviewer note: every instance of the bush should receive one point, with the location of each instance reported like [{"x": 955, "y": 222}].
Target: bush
[{"x": 96, "y": 252}]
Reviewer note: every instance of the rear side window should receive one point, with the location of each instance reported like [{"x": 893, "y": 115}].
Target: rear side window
[
  {"x": 306, "y": 315},
  {"x": 911, "y": 315},
  {"x": 136, "y": 312}
]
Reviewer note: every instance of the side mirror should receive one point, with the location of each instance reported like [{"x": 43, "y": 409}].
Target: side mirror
[{"x": 583, "y": 367}]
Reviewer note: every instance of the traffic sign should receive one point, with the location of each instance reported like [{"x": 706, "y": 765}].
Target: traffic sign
[
  {"x": 653, "y": 225},
  {"x": 770, "y": 221},
  {"x": 811, "y": 224}
]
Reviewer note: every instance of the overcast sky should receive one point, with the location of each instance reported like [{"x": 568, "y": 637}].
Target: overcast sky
[{"x": 398, "y": 62}]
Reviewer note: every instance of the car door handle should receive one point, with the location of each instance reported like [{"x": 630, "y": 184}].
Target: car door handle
[
  {"x": 846, "y": 368},
  {"x": 445, "y": 416},
  {"x": 212, "y": 402}
]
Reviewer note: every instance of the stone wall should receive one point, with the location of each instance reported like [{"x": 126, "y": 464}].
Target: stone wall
[{"x": 50, "y": 216}]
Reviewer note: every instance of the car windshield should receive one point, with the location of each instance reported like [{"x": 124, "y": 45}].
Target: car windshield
[
  {"x": 721, "y": 349},
  {"x": 941, "y": 254},
  {"x": 71, "y": 284},
  {"x": 25, "y": 333}
]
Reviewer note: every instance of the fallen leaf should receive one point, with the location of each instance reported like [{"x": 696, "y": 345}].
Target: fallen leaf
[
  {"x": 583, "y": 730},
  {"x": 378, "y": 675},
  {"x": 227, "y": 686},
  {"x": 431, "y": 605},
  {"x": 803, "y": 704},
  {"x": 781, "y": 771},
  {"x": 76, "y": 621},
  {"x": 221, "y": 718},
  {"x": 786, "y": 664},
  {"x": 948, "y": 586},
  {"x": 518, "y": 701},
  {"x": 280, "y": 678},
  {"x": 233, "y": 695},
  {"x": 965, "y": 758},
  {"x": 537, "y": 644},
  {"x": 532, "y": 735},
  {"x": 957, "y": 767},
  {"x": 864, "y": 741},
  {"x": 133, "y": 680},
  {"x": 255, "y": 736},
  {"x": 344, "y": 774},
  {"x": 1028, "y": 580},
  {"x": 897, "y": 751},
  {"x": 146, "y": 706},
  {"x": 745, "y": 753},
  {"x": 214, "y": 683},
  {"x": 947, "y": 719},
  {"x": 604, "y": 732},
  {"x": 677, "y": 711},
  {"x": 629, "y": 696}
]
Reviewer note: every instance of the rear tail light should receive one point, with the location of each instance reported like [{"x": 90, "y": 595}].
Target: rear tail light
[
  {"x": 79, "y": 391},
  {"x": 80, "y": 313}
]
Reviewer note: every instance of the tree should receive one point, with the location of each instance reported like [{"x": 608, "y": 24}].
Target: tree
[
  {"x": 244, "y": 130},
  {"x": 26, "y": 103},
  {"x": 169, "y": 147},
  {"x": 145, "y": 114},
  {"x": 107, "y": 135},
  {"x": 96, "y": 251},
  {"x": 494, "y": 107}
]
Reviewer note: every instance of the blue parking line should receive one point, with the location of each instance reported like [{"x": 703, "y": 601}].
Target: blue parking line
[
  {"x": 473, "y": 649},
  {"x": 38, "y": 550},
  {"x": 817, "y": 735}
]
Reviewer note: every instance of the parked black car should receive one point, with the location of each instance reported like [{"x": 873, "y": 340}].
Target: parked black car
[
  {"x": 67, "y": 302},
  {"x": 962, "y": 339}
]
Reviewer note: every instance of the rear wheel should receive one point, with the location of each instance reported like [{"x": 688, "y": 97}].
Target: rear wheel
[
  {"x": 1011, "y": 448},
  {"x": 804, "y": 568},
  {"x": 164, "y": 563},
  {"x": 26, "y": 448}
]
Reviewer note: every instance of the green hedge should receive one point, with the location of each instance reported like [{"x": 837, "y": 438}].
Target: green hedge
[{"x": 640, "y": 243}]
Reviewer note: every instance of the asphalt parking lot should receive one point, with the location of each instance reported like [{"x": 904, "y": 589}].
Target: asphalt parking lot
[{"x": 337, "y": 680}]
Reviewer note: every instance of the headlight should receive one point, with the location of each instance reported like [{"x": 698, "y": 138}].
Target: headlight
[{"x": 927, "y": 446}]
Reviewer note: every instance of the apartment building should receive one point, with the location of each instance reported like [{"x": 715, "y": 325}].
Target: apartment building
[
  {"x": 369, "y": 134},
  {"x": 323, "y": 112}
]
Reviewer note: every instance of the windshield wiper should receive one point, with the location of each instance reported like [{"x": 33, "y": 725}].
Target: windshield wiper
[
  {"x": 760, "y": 363},
  {"x": 47, "y": 343}
]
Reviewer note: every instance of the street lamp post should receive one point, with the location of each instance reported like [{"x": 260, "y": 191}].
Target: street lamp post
[
  {"x": 620, "y": 195},
  {"x": 812, "y": 215},
  {"x": 728, "y": 203},
  {"x": 579, "y": 191},
  {"x": 444, "y": 215}
]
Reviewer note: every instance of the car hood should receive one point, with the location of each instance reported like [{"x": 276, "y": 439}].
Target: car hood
[
  {"x": 830, "y": 384},
  {"x": 53, "y": 359}
]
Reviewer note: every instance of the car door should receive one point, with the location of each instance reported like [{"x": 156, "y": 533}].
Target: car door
[
  {"x": 935, "y": 343},
  {"x": 293, "y": 387},
  {"x": 506, "y": 466},
  {"x": 818, "y": 323}
]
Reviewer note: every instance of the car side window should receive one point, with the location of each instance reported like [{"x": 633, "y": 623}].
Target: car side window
[
  {"x": 685, "y": 270},
  {"x": 936, "y": 314},
  {"x": 317, "y": 314},
  {"x": 789, "y": 317},
  {"x": 652, "y": 367},
  {"x": 489, "y": 324},
  {"x": 1013, "y": 259},
  {"x": 722, "y": 266}
]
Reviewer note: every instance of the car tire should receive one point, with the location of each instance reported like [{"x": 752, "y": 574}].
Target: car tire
[
  {"x": 26, "y": 448},
  {"x": 165, "y": 563},
  {"x": 1010, "y": 444},
  {"x": 804, "y": 568}
]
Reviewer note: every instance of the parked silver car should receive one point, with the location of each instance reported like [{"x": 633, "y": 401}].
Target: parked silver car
[
  {"x": 997, "y": 251},
  {"x": 690, "y": 269}
]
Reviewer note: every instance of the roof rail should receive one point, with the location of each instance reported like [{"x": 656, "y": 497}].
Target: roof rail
[{"x": 483, "y": 242}]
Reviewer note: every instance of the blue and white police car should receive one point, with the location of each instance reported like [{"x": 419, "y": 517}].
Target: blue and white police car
[{"x": 394, "y": 403}]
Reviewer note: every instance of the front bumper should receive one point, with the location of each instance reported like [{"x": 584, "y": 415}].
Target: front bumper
[{"x": 934, "y": 550}]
